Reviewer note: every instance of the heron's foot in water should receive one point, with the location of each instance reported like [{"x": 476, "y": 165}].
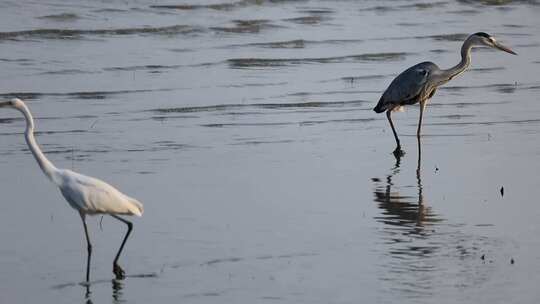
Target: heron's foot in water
[
  {"x": 398, "y": 152},
  {"x": 118, "y": 272}
]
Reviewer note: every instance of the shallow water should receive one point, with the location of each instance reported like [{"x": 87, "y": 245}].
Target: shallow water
[{"x": 246, "y": 129}]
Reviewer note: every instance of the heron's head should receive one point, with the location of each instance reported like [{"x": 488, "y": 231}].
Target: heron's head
[
  {"x": 482, "y": 38},
  {"x": 14, "y": 103}
]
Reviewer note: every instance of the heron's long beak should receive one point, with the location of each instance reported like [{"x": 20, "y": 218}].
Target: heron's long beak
[
  {"x": 4, "y": 104},
  {"x": 504, "y": 48}
]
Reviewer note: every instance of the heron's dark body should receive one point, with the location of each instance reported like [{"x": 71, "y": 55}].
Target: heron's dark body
[
  {"x": 410, "y": 87},
  {"x": 418, "y": 83}
]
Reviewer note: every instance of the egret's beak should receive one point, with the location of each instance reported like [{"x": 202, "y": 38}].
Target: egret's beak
[
  {"x": 504, "y": 48},
  {"x": 5, "y": 104}
]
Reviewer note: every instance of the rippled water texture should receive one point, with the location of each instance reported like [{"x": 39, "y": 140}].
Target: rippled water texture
[{"x": 245, "y": 127}]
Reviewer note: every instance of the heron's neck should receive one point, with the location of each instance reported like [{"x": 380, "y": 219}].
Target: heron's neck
[
  {"x": 462, "y": 65},
  {"x": 46, "y": 166}
]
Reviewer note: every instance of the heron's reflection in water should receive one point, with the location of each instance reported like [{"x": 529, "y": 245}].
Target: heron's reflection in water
[
  {"x": 410, "y": 246},
  {"x": 87, "y": 295},
  {"x": 420, "y": 253},
  {"x": 117, "y": 286},
  {"x": 407, "y": 218}
]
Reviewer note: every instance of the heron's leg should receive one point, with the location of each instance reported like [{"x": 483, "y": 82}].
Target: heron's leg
[
  {"x": 88, "y": 246},
  {"x": 397, "y": 152},
  {"x": 422, "y": 108},
  {"x": 419, "y": 172},
  {"x": 117, "y": 270}
]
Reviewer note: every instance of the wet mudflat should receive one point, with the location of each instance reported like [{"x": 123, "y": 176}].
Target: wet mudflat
[{"x": 245, "y": 127}]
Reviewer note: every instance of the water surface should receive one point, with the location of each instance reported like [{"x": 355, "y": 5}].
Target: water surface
[{"x": 245, "y": 127}]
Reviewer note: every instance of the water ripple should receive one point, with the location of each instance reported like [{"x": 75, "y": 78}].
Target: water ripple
[
  {"x": 279, "y": 62},
  {"x": 52, "y": 33}
]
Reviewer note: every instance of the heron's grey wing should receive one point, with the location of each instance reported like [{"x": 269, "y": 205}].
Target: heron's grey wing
[{"x": 408, "y": 86}]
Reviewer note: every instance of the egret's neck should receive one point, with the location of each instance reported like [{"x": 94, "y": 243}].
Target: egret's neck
[
  {"x": 462, "y": 65},
  {"x": 46, "y": 166}
]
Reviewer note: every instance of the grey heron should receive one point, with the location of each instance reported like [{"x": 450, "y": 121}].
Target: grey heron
[{"x": 418, "y": 83}]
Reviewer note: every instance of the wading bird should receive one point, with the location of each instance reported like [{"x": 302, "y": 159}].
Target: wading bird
[
  {"x": 87, "y": 195},
  {"x": 419, "y": 82}
]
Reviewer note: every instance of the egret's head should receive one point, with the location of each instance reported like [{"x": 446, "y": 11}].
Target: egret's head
[
  {"x": 482, "y": 38},
  {"x": 14, "y": 103}
]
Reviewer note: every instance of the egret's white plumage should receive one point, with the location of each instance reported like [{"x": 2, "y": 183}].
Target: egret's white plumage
[
  {"x": 93, "y": 196},
  {"x": 87, "y": 195}
]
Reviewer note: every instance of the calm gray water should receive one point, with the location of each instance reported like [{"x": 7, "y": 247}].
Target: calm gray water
[{"x": 246, "y": 129}]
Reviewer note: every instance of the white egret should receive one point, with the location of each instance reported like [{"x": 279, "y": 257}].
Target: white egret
[{"x": 87, "y": 195}]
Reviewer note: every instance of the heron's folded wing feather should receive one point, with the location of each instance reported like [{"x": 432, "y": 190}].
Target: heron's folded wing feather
[{"x": 408, "y": 85}]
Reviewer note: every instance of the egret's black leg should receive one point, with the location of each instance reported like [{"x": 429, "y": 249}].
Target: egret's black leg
[
  {"x": 117, "y": 270},
  {"x": 89, "y": 248},
  {"x": 397, "y": 152}
]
